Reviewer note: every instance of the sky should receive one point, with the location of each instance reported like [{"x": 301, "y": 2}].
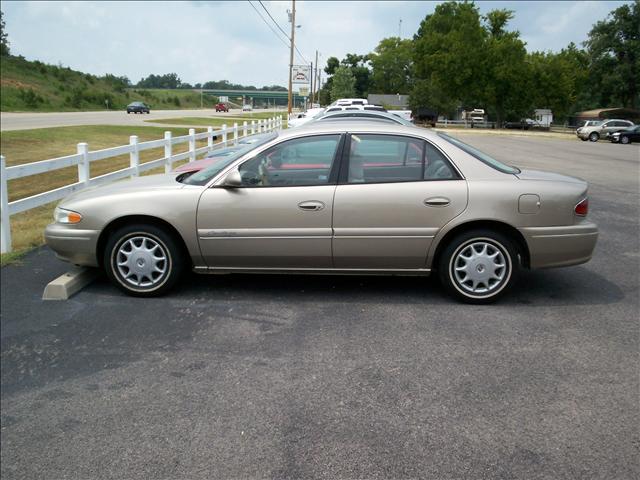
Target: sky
[{"x": 228, "y": 40}]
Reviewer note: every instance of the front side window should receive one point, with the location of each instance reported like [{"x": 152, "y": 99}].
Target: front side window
[
  {"x": 388, "y": 158},
  {"x": 298, "y": 162}
]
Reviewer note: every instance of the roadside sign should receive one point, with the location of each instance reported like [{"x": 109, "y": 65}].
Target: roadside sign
[
  {"x": 304, "y": 91},
  {"x": 301, "y": 74},
  {"x": 223, "y": 99}
]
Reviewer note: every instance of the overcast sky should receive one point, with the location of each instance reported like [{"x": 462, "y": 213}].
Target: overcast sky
[{"x": 203, "y": 41}]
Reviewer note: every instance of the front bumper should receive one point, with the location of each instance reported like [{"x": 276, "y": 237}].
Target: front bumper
[
  {"x": 72, "y": 244},
  {"x": 560, "y": 246}
]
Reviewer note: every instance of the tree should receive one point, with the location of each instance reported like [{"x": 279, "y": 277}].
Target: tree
[
  {"x": 4, "y": 37},
  {"x": 505, "y": 68},
  {"x": 392, "y": 66},
  {"x": 343, "y": 85},
  {"x": 168, "y": 80},
  {"x": 360, "y": 71},
  {"x": 555, "y": 80},
  {"x": 332, "y": 64},
  {"x": 613, "y": 48},
  {"x": 448, "y": 57}
]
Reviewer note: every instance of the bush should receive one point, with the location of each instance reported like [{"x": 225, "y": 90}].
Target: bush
[{"x": 176, "y": 101}]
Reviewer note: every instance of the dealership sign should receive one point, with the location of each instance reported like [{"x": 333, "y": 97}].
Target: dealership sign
[{"x": 301, "y": 74}]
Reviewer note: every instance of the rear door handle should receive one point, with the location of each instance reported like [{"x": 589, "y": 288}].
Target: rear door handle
[
  {"x": 437, "y": 202},
  {"x": 311, "y": 206}
]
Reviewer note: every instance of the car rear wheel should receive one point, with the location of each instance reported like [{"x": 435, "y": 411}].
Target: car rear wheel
[
  {"x": 624, "y": 140},
  {"x": 594, "y": 136},
  {"x": 143, "y": 260},
  {"x": 479, "y": 266}
]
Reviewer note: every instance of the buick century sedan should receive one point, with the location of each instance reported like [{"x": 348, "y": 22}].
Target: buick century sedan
[{"x": 343, "y": 198}]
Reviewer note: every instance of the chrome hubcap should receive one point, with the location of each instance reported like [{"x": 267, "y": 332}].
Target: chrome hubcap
[
  {"x": 479, "y": 267},
  {"x": 141, "y": 261}
]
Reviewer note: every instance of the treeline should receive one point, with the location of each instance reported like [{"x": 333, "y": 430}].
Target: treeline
[
  {"x": 460, "y": 59},
  {"x": 172, "y": 81}
]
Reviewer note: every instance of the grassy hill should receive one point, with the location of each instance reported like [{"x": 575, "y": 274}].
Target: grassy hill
[{"x": 33, "y": 86}]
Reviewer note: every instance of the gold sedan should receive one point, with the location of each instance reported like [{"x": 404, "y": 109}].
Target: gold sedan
[{"x": 354, "y": 197}]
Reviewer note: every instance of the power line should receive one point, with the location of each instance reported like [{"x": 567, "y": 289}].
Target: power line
[
  {"x": 268, "y": 25},
  {"x": 271, "y": 17},
  {"x": 280, "y": 28}
]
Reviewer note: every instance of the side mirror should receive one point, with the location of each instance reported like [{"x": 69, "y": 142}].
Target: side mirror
[{"x": 233, "y": 180}]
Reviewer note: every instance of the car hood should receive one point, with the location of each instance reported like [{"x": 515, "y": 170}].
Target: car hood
[
  {"x": 539, "y": 175},
  {"x": 137, "y": 184}
]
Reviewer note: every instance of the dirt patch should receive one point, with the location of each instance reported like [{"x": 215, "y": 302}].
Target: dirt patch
[{"x": 10, "y": 82}]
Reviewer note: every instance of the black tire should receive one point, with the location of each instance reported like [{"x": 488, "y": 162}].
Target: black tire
[
  {"x": 451, "y": 260},
  {"x": 625, "y": 140},
  {"x": 594, "y": 136},
  {"x": 144, "y": 236}
]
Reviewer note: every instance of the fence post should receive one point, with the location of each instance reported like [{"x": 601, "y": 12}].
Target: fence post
[
  {"x": 235, "y": 133},
  {"x": 224, "y": 134},
  {"x": 210, "y": 138},
  {"x": 83, "y": 164},
  {"x": 244, "y": 128},
  {"x": 253, "y": 127},
  {"x": 5, "y": 234},
  {"x": 192, "y": 145},
  {"x": 134, "y": 156},
  {"x": 168, "y": 162}
]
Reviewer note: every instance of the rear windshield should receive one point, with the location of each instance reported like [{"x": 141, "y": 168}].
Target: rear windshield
[{"x": 483, "y": 157}]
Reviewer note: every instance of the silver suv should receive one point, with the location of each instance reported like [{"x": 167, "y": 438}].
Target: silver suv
[{"x": 593, "y": 130}]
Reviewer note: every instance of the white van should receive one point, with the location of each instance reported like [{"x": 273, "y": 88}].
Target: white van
[{"x": 350, "y": 101}]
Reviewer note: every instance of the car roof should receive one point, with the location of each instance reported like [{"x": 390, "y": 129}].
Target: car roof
[
  {"x": 361, "y": 114},
  {"x": 359, "y": 126}
]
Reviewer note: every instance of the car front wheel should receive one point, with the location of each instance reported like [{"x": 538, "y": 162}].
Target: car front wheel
[
  {"x": 594, "y": 137},
  {"x": 143, "y": 260},
  {"x": 624, "y": 140},
  {"x": 479, "y": 266}
]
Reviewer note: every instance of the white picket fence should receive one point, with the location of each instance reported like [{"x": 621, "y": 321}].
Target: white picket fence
[{"x": 83, "y": 158}]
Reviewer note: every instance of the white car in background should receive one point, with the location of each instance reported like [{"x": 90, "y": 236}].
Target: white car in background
[
  {"x": 247, "y": 108},
  {"x": 301, "y": 118}
]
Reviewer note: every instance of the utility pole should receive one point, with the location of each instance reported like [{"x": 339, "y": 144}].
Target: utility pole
[
  {"x": 400, "y": 29},
  {"x": 293, "y": 33},
  {"x": 315, "y": 77},
  {"x": 311, "y": 84}
]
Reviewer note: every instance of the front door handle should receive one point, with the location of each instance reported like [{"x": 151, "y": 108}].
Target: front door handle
[
  {"x": 311, "y": 206},
  {"x": 437, "y": 202}
]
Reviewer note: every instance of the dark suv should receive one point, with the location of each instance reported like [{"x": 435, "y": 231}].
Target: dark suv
[{"x": 138, "y": 107}]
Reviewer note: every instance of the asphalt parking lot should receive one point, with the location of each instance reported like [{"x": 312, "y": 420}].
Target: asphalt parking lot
[{"x": 262, "y": 376}]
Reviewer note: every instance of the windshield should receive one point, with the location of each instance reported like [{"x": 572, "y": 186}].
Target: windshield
[
  {"x": 257, "y": 138},
  {"x": 483, "y": 157},
  {"x": 204, "y": 176}
]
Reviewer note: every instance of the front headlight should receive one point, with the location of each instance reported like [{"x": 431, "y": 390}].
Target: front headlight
[{"x": 60, "y": 215}]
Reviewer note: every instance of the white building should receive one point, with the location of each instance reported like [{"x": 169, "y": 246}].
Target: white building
[{"x": 543, "y": 116}]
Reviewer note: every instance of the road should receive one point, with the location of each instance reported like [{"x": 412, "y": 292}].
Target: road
[
  {"x": 288, "y": 377},
  {"x": 24, "y": 121}
]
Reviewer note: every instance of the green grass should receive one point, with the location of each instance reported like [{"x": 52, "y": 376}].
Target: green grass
[
  {"x": 215, "y": 121},
  {"x": 34, "y": 86},
  {"x": 24, "y": 146}
]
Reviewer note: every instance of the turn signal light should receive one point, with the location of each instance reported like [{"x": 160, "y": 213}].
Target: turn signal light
[{"x": 582, "y": 208}]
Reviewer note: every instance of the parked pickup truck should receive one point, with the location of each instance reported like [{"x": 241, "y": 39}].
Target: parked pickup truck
[{"x": 222, "y": 107}]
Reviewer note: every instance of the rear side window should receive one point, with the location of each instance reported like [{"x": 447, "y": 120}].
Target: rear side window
[{"x": 389, "y": 158}]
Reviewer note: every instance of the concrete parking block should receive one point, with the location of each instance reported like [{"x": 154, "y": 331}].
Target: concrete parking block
[{"x": 63, "y": 287}]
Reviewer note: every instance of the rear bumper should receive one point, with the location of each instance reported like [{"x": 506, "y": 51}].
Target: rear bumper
[
  {"x": 73, "y": 245},
  {"x": 560, "y": 246}
]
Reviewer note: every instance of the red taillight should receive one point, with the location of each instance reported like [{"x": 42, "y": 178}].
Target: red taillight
[{"x": 582, "y": 208}]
